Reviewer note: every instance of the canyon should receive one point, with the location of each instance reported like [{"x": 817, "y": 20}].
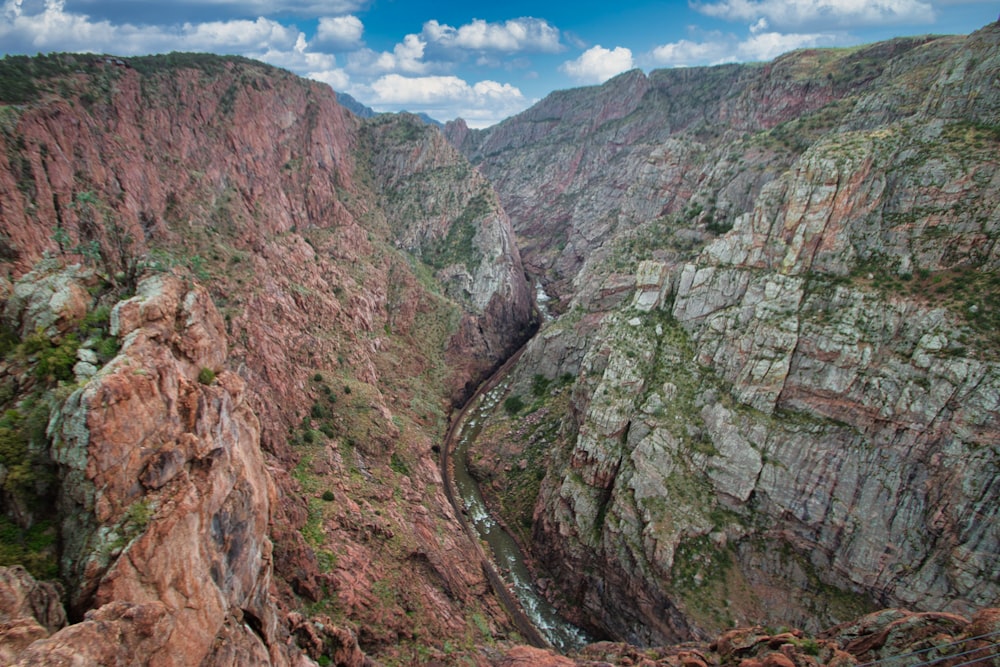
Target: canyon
[
  {"x": 237, "y": 320},
  {"x": 781, "y": 375}
]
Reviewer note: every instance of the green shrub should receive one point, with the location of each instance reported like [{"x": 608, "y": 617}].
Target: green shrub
[
  {"x": 513, "y": 405},
  {"x": 55, "y": 362},
  {"x": 399, "y": 465},
  {"x": 809, "y": 646},
  {"x": 8, "y": 339},
  {"x": 23, "y": 444},
  {"x": 138, "y": 515},
  {"x": 34, "y": 548},
  {"x": 206, "y": 376},
  {"x": 540, "y": 385},
  {"x": 107, "y": 348},
  {"x": 718, "y": 227},
  {"x": 96, "y": 321},
  {"x": 328, "y": 495}
]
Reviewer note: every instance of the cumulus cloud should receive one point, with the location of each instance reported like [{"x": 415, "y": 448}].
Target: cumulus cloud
[
  {"x": 337, "y": 79},
  {"x": 770, "y": 45},
  {"x": 51, "y": 27},
  {"x": 797, "y": 14},
  {"x": 685, "y": 53},
  {"x": 406, "y": 57},
  {"x": 445, "y": 97},
  {"x": 33, "y": 27},
  {"x": 339, "y": 32},
  {"x": 524, "y": 34},
  {"x": 718, "y": 48},
  {"x": 393, "y": 89},
  {"x": 298, "y": 59},
  {"x": 245, "y": 36},
  {"x": 597, "y": 64}
]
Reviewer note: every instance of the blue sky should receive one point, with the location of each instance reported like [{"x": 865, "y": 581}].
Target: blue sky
[{"x": 479, "y": 61}]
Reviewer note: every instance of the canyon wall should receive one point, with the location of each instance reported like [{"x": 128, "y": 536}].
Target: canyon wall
[
  {"x": 229, "y": 355},
  {"x": 774, "y": 288}
]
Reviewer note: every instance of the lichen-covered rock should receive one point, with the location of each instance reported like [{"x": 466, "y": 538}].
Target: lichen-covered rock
[
  {"x": 50, "y": 300},
  {"x": 165, "y": 495}
]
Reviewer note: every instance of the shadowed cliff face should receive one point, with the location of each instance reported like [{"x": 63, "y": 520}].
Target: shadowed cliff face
[
  {"x": 775, "y": 282},
  {"x": 252, "y": 432}
]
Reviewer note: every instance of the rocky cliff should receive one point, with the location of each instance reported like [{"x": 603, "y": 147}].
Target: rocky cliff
[
  {"x": 28, "y": 609},
  {"x": 775, "y": 369},
  {"x": 229, "y": 353},
  {"x": 236, "y": 317}
]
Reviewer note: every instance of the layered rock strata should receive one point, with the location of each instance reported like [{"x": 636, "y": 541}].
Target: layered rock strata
[{"x": 785, "y": 379}]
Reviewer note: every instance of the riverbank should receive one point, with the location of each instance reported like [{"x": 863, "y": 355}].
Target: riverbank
[{"x": 535, "y": 618}]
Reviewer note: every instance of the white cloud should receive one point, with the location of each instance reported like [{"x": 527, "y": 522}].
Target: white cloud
[
  {"x": 244, "y": 36},
  {"x": 394, "y": 90},
  {"x": 340, "y": 32},
  {"x": 516, "y": 35},
  {"x": 48, "y": 27},
  {"x": 828, "y": 14},
  {"x": 445, "y": 97},
  {"x": 770, "y": 45},
  {"x": 311, "y": 8},
  {"x": 720, "y": 48},
  {"x": 597, "y": 64},
  {"x": 406, "y": 57},
  {"x": 298, "y": 59},
  {"x": 685, "y": 53},
  {"x": 337, "y": 79},
  {"x": 51, "y": 27}
]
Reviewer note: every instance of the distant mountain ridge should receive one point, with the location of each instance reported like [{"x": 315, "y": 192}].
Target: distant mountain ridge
[{"x": 362, "y": 111}]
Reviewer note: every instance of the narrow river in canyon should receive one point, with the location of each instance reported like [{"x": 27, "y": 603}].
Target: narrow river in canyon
[{"x": 505, "y": 564}]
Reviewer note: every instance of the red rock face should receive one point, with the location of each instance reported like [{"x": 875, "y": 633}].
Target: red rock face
[
  {"x": 188, "y": 499},
  {"x": 166, "y": 496}
]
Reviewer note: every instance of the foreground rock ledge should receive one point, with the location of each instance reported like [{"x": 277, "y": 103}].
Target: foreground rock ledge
[{"x": 33, "y": 632}]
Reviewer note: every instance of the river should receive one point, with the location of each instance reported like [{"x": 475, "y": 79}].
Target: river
[{"x": 506, "y": 556}]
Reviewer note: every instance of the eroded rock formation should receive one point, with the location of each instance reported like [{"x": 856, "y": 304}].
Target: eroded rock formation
[
  {"x": 784, "y": 377},
  {"x": 243, "y": 451}
]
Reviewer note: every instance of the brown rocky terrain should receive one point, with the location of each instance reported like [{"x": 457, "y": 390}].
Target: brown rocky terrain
[
  {"x": 228, "y": 362},
  {"x": 774, "y": 366},
  {"x": 30, "y": 611}
]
